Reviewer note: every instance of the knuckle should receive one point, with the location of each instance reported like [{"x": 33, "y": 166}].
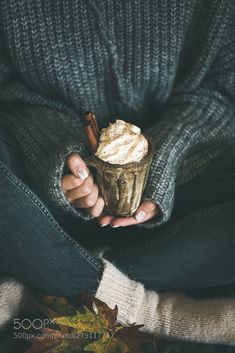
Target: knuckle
[
  {"x": 69, "y": 199},
  {"x": 98, "y": 208},
  {"x": 154, "y": 207},
  {"x": 95, "y": 213},
  {"x": 87, "y": 189},
  {"x": 72, "y": 157},
  {"x": 87, "y": 186},
  {"x": 151, "y": 207},
  {"x": 74, "y": 183},
  {"x": 90, "y": 202},
  {"x": 71, "y": 196}
]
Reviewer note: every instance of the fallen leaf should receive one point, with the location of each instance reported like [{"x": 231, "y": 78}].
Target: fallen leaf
[
  {"x": 107, "y": 344},
  {"x": 92, "y": 325},
  {"x": 53, "y": 341},
  {"x": 83, "y": 322},
  {"x": 134, "y": 338},
  {"x": 110, "y": 315},
  {"x": 60, "y": 305}
]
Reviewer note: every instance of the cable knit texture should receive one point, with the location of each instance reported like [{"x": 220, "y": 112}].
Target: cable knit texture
[
  {"x": 167, "y": 66},
  {"x": 167, "y": 314}
]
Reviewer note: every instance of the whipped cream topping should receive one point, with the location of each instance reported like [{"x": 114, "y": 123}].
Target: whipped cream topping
[{"x": 122, "y": 143}]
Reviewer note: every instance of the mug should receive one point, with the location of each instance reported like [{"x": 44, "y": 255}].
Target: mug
[{"x": 121, "y": 185}]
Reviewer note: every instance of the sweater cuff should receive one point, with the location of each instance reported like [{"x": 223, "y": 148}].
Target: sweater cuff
[
  {"x": 135, "y": 304},
  {"x": 46, "y": 137},
  {"x": 53, "y": 188},
  {"x": 163, "y": 197},
  {"x": 12, "y": 297}
]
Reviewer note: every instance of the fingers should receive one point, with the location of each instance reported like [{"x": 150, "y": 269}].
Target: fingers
[
  {"x": 83, "y": 190},
  {"x": 89, "y": 200},
  {"x": 105, "y": 220},
  {"x": 97, "y": 209},
  {"x": 146, "y": 211},
  {"x": 77, "y": 166},
  {"x": 70, "y": 182},
  {"x": 79, "y": 187},
  {"x": 79, "y": 170}
]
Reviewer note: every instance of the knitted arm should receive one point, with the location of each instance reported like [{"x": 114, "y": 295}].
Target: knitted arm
[
  {"x": 46, "y": 137},
  {"x": 194, "y": 120},
  {"x": 167, "y": 314},
  {"x": 190, "y": 120}
]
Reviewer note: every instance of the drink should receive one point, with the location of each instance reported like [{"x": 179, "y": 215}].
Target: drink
[{"x": 122, "y": 184}]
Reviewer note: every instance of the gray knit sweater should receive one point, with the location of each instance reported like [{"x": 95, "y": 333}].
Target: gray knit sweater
[{"x": 165, "y": 65}]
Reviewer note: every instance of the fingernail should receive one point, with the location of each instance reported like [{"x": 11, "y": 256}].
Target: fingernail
[
  {"x": 114, "y": 226},
  {"x": 82, "y": 173},
  {"x": 104, "y": 224},
  {"x": 139, "y": 216}
]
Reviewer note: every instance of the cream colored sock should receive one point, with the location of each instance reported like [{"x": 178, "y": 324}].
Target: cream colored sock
[{"x": 167, "y": 314}]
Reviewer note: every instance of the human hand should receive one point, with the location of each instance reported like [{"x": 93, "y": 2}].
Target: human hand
[
  {"x": 79, "y": 186},
  {"x": 146, "y": 211}
]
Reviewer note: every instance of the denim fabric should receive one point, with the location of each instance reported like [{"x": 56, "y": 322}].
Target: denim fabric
[
  {"x": 196, "y": 249},
  {"x": 33, "y": 246}
]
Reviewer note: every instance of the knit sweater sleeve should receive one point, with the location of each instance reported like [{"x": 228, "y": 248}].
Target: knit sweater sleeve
[
  {"x": 196, "y": 119},
  {"x": 45, "y": 129},
  {"x": 45, "y": 136}
]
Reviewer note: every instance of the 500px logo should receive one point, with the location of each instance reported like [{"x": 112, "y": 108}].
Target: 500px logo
[{"x": 27, "y": 324}]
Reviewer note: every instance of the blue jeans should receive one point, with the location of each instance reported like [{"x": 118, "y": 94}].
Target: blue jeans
[
  {"x": 33, "y": 246},
  {"x": 50, "y": 250}
]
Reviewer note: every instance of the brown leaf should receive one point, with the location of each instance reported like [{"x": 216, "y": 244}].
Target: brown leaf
[
  {"x": 96, "y": 317},
  {"x": 107, "y": 344},
  {"x": 60, "y": 305},
  {"x": 83, "y": 322},
  {"x": 53, "y": 341},
  {"x": 110, "y": 315},
  {"x": 134, "y": 338}
]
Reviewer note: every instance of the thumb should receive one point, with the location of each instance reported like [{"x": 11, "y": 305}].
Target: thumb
[
  {"x": 77, "y": 166},
  {"x": 147, "y": 210}
]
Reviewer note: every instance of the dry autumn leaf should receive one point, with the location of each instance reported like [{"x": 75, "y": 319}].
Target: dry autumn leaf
[
  {"x": 53, "y": 341},
  {"x": 107, "y": 343},
  {"x": 83, "y": 322},
  {"x": 90, "y": 326}
]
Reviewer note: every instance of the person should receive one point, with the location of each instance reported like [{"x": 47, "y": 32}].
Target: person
[{"x": 167, "y": 67}]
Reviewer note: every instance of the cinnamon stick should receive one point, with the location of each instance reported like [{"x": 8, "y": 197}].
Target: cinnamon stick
[
  {"x": 93, "y": 142},
  {"x": 95, "y": 124},
  {"x": 91, "y": 120}
]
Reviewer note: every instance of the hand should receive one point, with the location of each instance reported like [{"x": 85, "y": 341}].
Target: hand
[
  {"x": 79, "y": 187},
  {"x": 146, "y": 211}
]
